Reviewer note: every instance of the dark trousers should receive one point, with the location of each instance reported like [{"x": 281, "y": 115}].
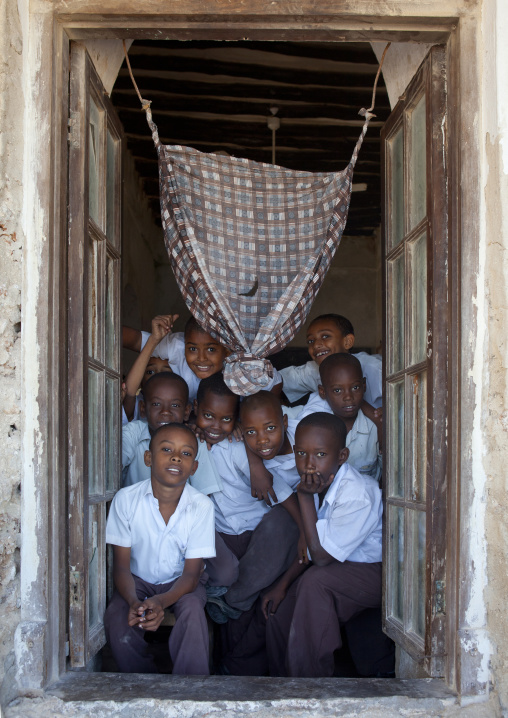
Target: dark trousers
[
  {"x": 188, "y": 640},
  {"x": 222, "y": 569},
  {"x": 264, "y": 554},
  {"x": 305, "y": 631}
]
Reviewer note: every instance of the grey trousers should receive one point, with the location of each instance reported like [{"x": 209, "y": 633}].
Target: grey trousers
[
  {"x": 188, "y": 640},
  {"x": 305, "y": 631},
  {"x": 264, "y": 554}
]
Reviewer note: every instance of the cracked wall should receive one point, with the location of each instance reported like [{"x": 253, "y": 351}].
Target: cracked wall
[{"x": 11, "y": 241}]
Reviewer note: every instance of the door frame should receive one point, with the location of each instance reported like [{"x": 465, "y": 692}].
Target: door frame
[{"x": 44, "y": 604}]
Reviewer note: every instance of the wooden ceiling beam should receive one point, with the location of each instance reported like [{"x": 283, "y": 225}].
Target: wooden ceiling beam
[
  {"x": 271, "y": 92},
  {"x": 225, "y": 70},
  {"x": 231, "y": 107},
  {"x": 338, "y": 51}
]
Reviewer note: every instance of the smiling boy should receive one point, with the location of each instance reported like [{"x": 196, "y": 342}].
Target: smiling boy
[
  {"x": 332, "y": 334},
  {"x": 161, "y": 529},
  {"x": 166, "y": 400},
  {"x": 342, "y": 518},
  {"x": 193, "y": 354}
]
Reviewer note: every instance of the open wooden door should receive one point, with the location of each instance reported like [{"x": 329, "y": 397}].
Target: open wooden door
[
  {"x": 94, "y": 432},
  {"x": 417, "y": 325}
]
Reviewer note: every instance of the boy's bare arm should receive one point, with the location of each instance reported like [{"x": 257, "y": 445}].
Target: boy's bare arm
[
  {"x": 187, "y": 583},
  {"x": 131, "y": 339},
  {"x": 124, "y": 583},
  {"x": 293, "y": 509},
  {"x": 261, "y": 480},
  {"x": 309, "y": 485},
  {"x": 161, "y": 326}
]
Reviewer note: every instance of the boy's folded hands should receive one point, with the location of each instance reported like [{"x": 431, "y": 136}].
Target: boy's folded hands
[{"x": 147, "y": 614}]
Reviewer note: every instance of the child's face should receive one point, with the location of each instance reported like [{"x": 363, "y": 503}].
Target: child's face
[
  {"x": 324, "y": 338},
  {"x": 204, "y": 354},
  {"x": 264, "y": 431},
  {"x": 165, "y": 403},
  {"x": 318, "y": 452},
  {"x": 343, "y": 388},
  {"x": 216, "y": 415},
  {"x": 154, "y": 366},
  {"x": 172, "y": 457}
]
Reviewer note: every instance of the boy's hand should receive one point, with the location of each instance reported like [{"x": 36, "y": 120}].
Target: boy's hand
[
  {"x": 313, "y": 483},
  {"x": 200, "y": 434},
  {"x": 303, "y": 556},
  {"x": 261, "y": 482},
  {"x": 237, "y": 433},
  {"x": 136, "y": 613},
  {"x": 148, "y": 615},
  {"x": 162, "y": 325},
  {"x": 123, "y": 392},
  {"x": 272, "y": 600}
]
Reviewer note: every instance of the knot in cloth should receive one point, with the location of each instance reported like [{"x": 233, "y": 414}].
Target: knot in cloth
[{"x": 246, "y": 374}]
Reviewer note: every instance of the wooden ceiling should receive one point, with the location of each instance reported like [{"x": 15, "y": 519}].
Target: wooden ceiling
[{"x": 216, "y": 96}]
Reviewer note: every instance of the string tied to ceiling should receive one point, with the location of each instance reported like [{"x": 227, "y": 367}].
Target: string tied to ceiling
[{"x": 249, "y": 244}]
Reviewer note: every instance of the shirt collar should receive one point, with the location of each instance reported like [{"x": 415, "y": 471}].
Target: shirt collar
[
  {"x": 184, "y": 497},
  {"x": 334, "y": 486},
  {"x": 361, "y": 425}
]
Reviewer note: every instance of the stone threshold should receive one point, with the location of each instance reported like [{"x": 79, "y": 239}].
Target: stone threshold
[{"x": 120, "y": 687}]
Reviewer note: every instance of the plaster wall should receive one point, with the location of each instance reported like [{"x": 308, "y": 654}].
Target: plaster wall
[
  {"x": 491, "y": 451},
  {"x": 485, "y": 518},
  {"x": 11, "y": 267}
]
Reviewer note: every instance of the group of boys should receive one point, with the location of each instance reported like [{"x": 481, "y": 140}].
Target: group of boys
[{"x": 267, "y": 517}]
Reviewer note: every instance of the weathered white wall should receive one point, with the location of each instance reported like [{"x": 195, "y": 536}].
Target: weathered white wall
[
  {"x": 489, "y": 522},
  {"x": 485, "y": 516},
  {"x": 11, "y": 243}
]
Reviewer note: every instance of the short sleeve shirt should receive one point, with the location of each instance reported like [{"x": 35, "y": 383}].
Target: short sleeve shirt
[
  {"x": 349, "y": 522},
  {"x": 236, "y": 511},
  {"x": 299, "y": 380},
  {"x": 159, "y": 550},
  {"x": 135, "y": 441}
]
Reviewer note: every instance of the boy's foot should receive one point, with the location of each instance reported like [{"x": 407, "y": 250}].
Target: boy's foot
[{"x": 219, "y": 611}]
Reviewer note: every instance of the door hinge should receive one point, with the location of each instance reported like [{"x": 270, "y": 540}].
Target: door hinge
[
  {"x": 73, "y": 137},
  {"x": 76, "y": 588},
  {"x": 439, "y": 598}
]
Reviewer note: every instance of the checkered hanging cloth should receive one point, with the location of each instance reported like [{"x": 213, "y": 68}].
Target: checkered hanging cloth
[{"x": 250, "y": 244}]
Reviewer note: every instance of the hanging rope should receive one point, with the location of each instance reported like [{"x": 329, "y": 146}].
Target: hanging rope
[{"x": 249, "y": 244}]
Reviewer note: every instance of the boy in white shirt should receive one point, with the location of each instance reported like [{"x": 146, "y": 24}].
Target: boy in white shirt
[
  {"x": 161, "y": 529},
  {"x": 193, "y": 354},
  {"x": 166, "y": 400},
  {"x": 145, "y": 366},
  {"x": 342, "y": 517},
  {"x": 332, "y": 334},
  {"x": 263, "y": 539},
  {"x": 341, "y": 392}
]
